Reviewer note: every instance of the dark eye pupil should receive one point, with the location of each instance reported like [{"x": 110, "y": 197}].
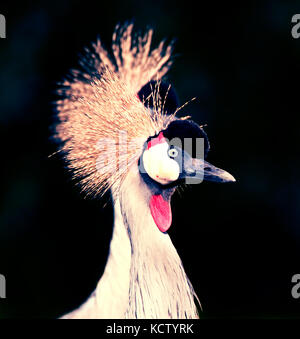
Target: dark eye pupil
[{"x": 173, "y": 153}]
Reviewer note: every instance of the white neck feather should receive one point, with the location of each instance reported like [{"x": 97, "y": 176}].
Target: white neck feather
[{"x": 159, "y": 287}]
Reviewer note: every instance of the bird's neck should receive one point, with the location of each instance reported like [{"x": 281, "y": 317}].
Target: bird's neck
[
  {"x": 144, "y": 276},
  {"x": 158, "y": 285}
]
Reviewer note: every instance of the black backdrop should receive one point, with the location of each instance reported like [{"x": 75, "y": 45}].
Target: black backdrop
[{"x": 240, "y": 243}]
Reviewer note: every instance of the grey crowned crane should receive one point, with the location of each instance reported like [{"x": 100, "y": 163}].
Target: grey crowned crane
[{"x": 118, "y": 131}]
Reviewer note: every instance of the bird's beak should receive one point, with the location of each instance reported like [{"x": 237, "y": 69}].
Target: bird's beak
[{"x": 203, "y": 171}]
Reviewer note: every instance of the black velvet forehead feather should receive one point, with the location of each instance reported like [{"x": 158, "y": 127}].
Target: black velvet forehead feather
[{"x": 182, "y": 129}]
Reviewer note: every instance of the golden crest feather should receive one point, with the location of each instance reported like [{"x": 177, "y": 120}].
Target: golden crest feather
[{"x": 102, "y": 123}]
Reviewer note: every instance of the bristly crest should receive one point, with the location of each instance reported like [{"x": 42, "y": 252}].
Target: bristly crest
[{"x": 100, "y": 114}]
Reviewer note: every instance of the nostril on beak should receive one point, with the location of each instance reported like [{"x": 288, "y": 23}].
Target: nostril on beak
[
  {"x": 207, "y": 169},
  {"x": 190, "y": 171}
]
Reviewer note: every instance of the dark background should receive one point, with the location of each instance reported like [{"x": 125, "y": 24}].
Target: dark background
[{"x": 240, "y": 243}]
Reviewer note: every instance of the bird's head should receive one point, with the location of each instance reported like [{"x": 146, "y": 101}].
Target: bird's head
[{"x": 176, "y": 155}]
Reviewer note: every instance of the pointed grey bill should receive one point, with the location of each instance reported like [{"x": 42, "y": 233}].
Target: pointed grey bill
[{"x": 198, "y": 170}]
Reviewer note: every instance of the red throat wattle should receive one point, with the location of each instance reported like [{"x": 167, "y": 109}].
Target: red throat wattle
[{"x": 161, "y": 212}]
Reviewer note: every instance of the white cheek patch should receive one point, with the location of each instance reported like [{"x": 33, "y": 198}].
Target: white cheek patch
[{"x": 159, "y": 166}]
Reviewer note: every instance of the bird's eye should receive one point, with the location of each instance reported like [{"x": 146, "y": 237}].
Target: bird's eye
[{"x": 172, "y": 153}]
